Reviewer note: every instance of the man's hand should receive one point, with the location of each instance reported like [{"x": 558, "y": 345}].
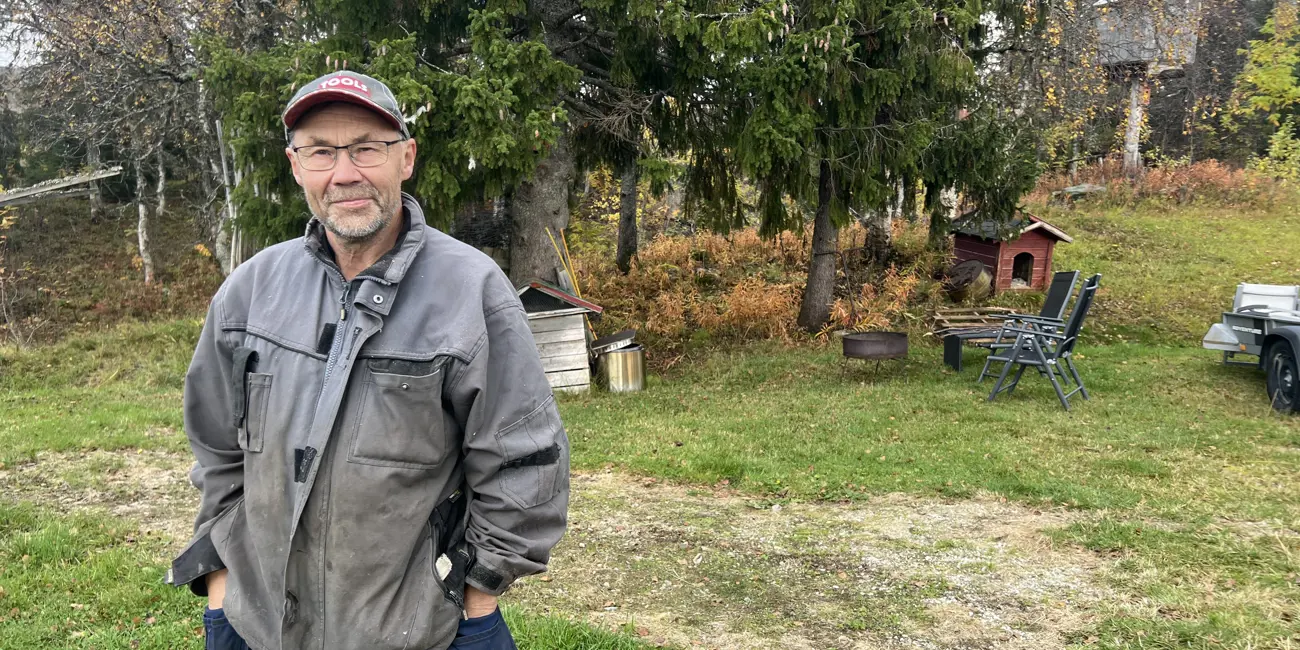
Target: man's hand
[
  {"x": 217, "y": 588},
  {"x": 477, "y": 603}
]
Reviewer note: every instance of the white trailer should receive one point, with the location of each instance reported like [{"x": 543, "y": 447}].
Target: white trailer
[{"x": 1264, "y": 322}]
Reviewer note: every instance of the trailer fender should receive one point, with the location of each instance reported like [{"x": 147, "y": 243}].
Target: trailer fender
[
  {"x": 1289, "y": 333},
  {"x": 1280, "y": 369}
]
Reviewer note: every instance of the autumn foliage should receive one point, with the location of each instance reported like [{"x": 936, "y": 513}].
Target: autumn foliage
[
  {"x": 686, "y": 290},
  {"x": 1206, "y": 182}
]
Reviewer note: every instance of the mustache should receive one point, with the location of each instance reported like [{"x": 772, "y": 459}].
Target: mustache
[{"x": 352, "y": 194}]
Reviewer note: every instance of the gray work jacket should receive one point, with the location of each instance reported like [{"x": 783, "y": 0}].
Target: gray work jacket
[{"x": 367, "y": 448}]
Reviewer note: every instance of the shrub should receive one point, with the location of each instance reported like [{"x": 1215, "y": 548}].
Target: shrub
[
  {"x": 1179, "y": 182},
  {"x": 690, "y": 290},
  {"x": 1283, "y": 159},
  {"x": 753, "y": 309},
  {"x": 876, "y": 306}
]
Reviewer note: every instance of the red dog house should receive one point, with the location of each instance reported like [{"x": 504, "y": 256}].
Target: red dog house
[{"x": 1018, "y": 253}]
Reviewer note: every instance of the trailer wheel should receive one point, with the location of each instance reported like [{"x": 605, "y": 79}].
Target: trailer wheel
[{"x": 1283, "y": 377}]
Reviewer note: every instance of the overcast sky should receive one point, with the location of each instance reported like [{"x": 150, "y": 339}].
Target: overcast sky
[{"x": 7, "y": 53}]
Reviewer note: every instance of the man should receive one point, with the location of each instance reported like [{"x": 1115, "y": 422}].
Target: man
[{"x": 378, "y": 450}]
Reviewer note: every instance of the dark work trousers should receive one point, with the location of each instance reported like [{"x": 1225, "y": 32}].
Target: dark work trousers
[
  {"x": 218, "y": 632},
  {"x": 484, "y": 633}
]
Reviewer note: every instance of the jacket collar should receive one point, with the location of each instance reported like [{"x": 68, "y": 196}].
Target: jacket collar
[{"x": 390, "y": 268}]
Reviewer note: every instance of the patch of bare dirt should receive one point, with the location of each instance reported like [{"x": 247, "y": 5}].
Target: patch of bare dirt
[
  {"x": 697, "y": 567},
  {"x": 150, "y": 488},
  {"x": 703, "y": 568}
]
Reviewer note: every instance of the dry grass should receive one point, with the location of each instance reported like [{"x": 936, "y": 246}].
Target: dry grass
[
  {"x": 716, "y": 568},
  {"x": 1206, "y": 182},
  {"x": 687, "y": 292}
]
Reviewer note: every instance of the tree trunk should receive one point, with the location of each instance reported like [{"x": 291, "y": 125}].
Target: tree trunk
[
  {"x": 215, "y": 219},
  {"x": 816, "y": 308},
  {"x": 162, "y": 184},
  {"x": 880, "y": 235},
  {"x": 142, "y": 227},
  {"x": 96, "y": 198},
  {"x": 631, "y": 175},
  {"x": 1133, "y": 132},
  {"x": 951, "y": 202},
  {"x": 1074, "y": 160},
  {"x": 227, "y": 246},
  {"x": 941, "y": 211},
  {"x": 224, "y": 250},
  {"x": 541, "y": 204}
]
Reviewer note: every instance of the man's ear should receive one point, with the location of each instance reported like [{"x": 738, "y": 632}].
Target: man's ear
[
  {"x": 293, "y": 164},
  {"x": 408, "y": 159}
]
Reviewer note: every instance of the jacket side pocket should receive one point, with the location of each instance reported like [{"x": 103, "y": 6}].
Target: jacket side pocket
[
  {"x": 259, "y": 396},
  {"x": 452, "y": 556}
]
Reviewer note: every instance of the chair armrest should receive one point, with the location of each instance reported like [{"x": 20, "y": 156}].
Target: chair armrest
[
  {"x": 1031, "y": 332},
  {"x": 1056, "y": 322}
]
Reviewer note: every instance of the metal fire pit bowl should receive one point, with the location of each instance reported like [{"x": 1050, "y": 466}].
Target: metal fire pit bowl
[{"x": 875, "y": 346}]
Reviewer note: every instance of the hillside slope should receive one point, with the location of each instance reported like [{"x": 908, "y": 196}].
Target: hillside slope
[{"x": 69, "y": 275}]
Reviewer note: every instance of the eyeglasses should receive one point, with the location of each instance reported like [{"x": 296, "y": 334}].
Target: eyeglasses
[{"x": 319, "y": 158}]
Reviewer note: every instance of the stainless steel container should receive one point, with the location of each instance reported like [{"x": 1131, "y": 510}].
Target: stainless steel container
[{"x": 622, "y": 370}]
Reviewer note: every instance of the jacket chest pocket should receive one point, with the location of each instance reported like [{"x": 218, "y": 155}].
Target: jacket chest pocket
[
  {"x": 253, "y": 431},
  {"x": 399, "y": 420}
]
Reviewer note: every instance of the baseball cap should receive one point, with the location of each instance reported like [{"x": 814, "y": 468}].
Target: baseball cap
[{"x": 345, "y": 86}]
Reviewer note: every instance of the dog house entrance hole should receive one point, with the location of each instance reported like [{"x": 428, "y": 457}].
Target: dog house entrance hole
[{"x": 1022, "y": 270}]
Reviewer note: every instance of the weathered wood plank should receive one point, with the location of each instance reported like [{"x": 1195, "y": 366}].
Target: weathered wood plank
[
  {"x": 559, "y": 336},
  {"x": 562, "y": 349},
  {"x": 967, "y": 310},
  {"x": 568, "y": 378},
  {"x": 565, "y": 363},
  {"x": 573, "y": 321},
  {"x": 65, "y": 194},
  {"x": 968, "y": 317},
  {"x": 542, "y": 315},
  {"x": 41, "y": 189}
]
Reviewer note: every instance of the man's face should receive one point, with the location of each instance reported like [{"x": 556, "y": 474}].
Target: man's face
[{"x": 354, "y": 203}]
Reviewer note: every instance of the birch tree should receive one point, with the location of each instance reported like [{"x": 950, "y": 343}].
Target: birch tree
[{"x": 123, "y": 76}]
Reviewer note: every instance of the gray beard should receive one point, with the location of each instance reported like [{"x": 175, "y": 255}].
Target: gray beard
[{"x": 361, "y": 232}]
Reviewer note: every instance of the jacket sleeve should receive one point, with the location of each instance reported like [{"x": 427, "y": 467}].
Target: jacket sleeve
[
  {"x": 515, "y": 450},
  {"x": 218, "y": 471}
]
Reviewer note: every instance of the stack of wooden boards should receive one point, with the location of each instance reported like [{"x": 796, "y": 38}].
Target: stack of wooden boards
[
  {"x": 970, "y": 320},
  {"x": 966, "y": 325}
]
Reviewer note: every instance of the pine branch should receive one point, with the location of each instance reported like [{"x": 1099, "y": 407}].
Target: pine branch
[
  {"x": 591, "y": 29},
  {"x": 569, "y": 46},
  {"x": 593, "y": 69}
]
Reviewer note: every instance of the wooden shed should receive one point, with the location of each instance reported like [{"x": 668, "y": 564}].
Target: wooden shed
[
  {"x": 556, "y": 318},
  {"x": 1018, "y": 253}
]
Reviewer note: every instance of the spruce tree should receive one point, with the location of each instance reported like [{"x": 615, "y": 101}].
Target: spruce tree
[{"x": 834, "y": 104}]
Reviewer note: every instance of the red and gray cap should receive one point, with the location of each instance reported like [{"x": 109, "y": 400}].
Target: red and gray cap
[{"x": 350, "y": 87}]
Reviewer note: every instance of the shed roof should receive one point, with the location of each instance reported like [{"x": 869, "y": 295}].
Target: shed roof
[
  {"x": 538, "y": 296},
  {"x": 973, "y": 225}
]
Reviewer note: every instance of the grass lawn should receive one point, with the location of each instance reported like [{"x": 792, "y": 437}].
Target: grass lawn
[
  {"x": 94, "y": 582},
  {"x": 91, "y": 580},
  {"x": 1187, "y": 475},
  {"x": 1176, "y": 482},
  {"x": 1168, "y": 272}
]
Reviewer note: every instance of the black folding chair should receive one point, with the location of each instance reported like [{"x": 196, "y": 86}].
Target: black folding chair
[
  {"x": 1049, "y": 318},
  {"x": 1050, "y": 352}
]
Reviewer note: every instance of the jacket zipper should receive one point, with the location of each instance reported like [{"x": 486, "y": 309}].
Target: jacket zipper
[{"x": 336, "y": 346}]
